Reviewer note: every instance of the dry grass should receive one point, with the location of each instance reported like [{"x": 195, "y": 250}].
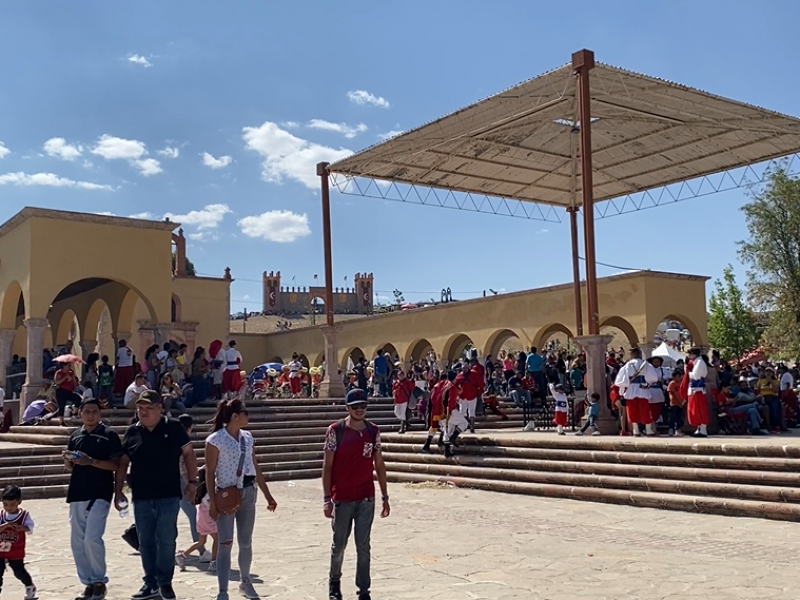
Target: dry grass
[{"x": 269, "y": 324}]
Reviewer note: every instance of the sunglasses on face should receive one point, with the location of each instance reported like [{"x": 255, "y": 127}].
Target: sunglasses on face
[{"x": 358, "y": 406}]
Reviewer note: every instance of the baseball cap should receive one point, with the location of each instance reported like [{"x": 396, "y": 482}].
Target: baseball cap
[
  {"x": 149, "y": 397},
  {"x": 355, "y": 396}
]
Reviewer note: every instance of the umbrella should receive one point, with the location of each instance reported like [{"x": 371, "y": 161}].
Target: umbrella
[
  {"x": 69, "y": 359},
  {"x": 271, "y": 365}
]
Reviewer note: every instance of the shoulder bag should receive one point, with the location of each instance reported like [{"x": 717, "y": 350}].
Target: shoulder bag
[{"x": 229, "y": 499}]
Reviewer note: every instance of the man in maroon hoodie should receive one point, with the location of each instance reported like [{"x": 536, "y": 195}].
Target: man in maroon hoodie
[{"x": 470, "y": 385}]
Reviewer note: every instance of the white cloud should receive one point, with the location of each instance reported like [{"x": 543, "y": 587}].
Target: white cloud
[
  {"x": 216, "y": 163},
  {"x": 169, "y": 152},
  {"x": 49, "y": 180},
  {"x": 148, "y": 166},
  {"x": 105, "y": 213},
  {"x": 140, "y": 60},
  {"x": 541, "y": 231},
  {"x": 246, "y": 297},
  {"x": 59, "y": 148},
  {"x": 203, "y": 236},
  {"x": 290, "y": 124},
  {"x": 3, "y": 150},
  {"x": 207, "y": 218},
  {"x": 286, "y": 155},
  {"x": 281, "y": 226},
  {"x": 343, "y": 128},
  {"x": 364, "y": 97},
  {"x": 142, "y": 215},
  {"x": 390, "y": 134},
  {"x": 115, "y": 148}
]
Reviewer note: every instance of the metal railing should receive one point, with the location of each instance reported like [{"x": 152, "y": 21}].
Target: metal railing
[{"x": 15, "y": 377}]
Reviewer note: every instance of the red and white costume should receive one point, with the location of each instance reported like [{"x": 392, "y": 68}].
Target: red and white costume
[
  {"x": 697, "y": 408},
  {"x": 633, "y": 381},
  {"x": 295, "y": 379},
  {"x": 231, "y": 376},
  {"x": 561, "y": 408}
]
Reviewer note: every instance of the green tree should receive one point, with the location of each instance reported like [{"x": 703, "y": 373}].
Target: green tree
[
  {"x": 190, "y": 270},
  {"x": 772, "y": 255},
  {"x": 732, "y": 327}
]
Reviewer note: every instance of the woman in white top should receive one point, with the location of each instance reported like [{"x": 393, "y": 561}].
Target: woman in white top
[{"x": 225, "y": 448}]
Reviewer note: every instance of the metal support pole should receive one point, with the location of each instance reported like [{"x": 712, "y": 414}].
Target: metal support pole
[
  {"x": 576, "y": 269},
  {"x": 322, "y": 171},
  {"x": 582, "y": 63}
]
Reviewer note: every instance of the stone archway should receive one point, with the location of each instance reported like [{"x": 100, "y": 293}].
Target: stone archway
[
  {"x": 319, "y": 359},
  {"x": 276, "y": 359},
  {"x": 454, "y": 347},
  {"x": 176, "y": 309},
  {"x": 694, "y": 331},
  {"x": 387, "y": 348},
  {"x": 354, "y": 354},
  {"x": 548, "y": 331},
  {"x": 497, "y": 339},
  {"x": 628, "y": 331},
  {"x": 418, "y": 350},
  {"x": 12, "y": 309},
  {"x": 303, "y": 360}
]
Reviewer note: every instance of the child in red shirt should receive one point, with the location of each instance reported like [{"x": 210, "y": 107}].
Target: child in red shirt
[{"x": 15, "y": 525}]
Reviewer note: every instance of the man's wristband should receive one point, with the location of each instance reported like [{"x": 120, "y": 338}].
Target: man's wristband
[
  {"x": 385, "y": 498},
  {"x": 192, "y": 482},
  {"x": 326, "y": 499}
]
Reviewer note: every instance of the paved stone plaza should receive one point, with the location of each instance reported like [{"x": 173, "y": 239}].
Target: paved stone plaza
[{"x": 452, "y": 544}]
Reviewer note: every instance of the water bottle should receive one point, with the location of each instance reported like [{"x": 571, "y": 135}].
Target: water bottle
[{"x": 123, "y": 509}]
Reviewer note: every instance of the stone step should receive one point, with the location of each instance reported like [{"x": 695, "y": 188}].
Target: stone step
[
  {"x": 781, "y": 511},
  {"x": 589, "y": 456},
  {"x": 764, "y": 493}
]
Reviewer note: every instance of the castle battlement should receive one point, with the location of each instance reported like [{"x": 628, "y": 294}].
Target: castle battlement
[{"x": 279, "y": 299}]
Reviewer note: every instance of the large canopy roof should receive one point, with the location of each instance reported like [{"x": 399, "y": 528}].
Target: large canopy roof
[{"x": 646, "y": 133}]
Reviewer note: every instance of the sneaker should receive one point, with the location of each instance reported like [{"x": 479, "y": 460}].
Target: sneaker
[
  {"x": 679, "y": 433},
  {"x": 180, "y": 560},
  {"x": 222, "y": 596},
  {"x": 167, "y": 593},
  {"x": 146, "y": 593},
  {"x": 30, "y": 592},
  {"x": 205, "y": 557},
  {"x": 578, "y": 433},
  {"x": 98, "y": 591},
  {"x": 334, "y": 590},
  {"x": 596, "y": 432},
  {"x": 364, "y": 596},
  {"x": 671, "y": 432},
  {"x": 88, "y": 593},
  {"x": 212, "y": 566},
  {"x": 247, "y": 590}
]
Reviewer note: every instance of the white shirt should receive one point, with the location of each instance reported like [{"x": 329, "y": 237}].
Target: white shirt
[
  {"x": 699, "y": 371},
  {"x": 787, "y": 382},
  {"x": 294, "y": 368},
  {"x": 232, "y": 360},
  {"x": 125, "y": 357},
  {"x": 2, "y": 400},
  {"x": 562, "y": 405},
  {"x": 6, "y": 517},
  {"x": 628, "y": 374},
  {"x": 133, "y": 392},
  {"x": 229, "y": 455}
]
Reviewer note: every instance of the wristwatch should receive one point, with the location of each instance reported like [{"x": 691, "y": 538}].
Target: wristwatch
[{"x": 192, "y": 482}]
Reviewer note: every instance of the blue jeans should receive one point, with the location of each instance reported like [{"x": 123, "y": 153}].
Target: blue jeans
[
  {"x": 157, "y": 526},
  {"x": 775, "y": 411},
  {"x": 199, "y": 391},
  {"x": 751, "y": 410},
  {"x": 244, "y": 519},
  {"x": 520, "y": 397},
  {"x": 190, "y": 510},
  {"x": 87, "y": 522},
  {"x": 676, "y": 418},
  {"x": 345, "y": 514}
]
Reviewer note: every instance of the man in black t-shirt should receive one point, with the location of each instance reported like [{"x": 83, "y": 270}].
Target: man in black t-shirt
[
  {"x": 153, "y": 447},
  {"x": 92, "y": 456}
]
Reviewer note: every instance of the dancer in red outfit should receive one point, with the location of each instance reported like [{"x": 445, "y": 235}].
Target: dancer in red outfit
[
  {"x": 695, "y": 378},
  {"x": 436, "y": 413},
  {"x": 231, "y": 380},
  {"x": 633, "y": 380}
]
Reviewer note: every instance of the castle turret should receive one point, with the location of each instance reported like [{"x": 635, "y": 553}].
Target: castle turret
[
  {"x": 272, "y": 287},
  {"x": 365, "y": 292}
]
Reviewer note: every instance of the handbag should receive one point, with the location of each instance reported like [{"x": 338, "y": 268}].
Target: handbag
[
  {"x": 229, "y": 499},
  {"x": 132, "y": 537}
]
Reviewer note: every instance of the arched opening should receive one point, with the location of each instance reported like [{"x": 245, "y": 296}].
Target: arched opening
[
  {"x": 303, "y": 360},
  {"x": 276, "y": 359},
  {"x": 553, "y": 338},
  {"x": 458, "y": 347},
  {"x": 623, "y": 333},
  {"x": 389, "y": 349},
  {"x": 678, "y": 331},
  {"x": 419, "y": 350},
  {"x": 12, "y": 309},
  {"x": 503, "y": 342},
  {"x": 68, "y": 332},
  {"x": 352, "y": 355},
  {"x": 319, "y": 359},
  {"x": 176, "y": 309}
]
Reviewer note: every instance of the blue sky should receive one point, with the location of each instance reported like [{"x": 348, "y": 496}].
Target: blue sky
[{"x": 216, "y": 113}]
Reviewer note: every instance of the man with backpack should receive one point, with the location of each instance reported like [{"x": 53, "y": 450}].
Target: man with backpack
[{"x": 352, "y": 450}]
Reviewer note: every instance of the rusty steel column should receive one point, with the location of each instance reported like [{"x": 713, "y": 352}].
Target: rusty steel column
[
  {"x": 576, "y": 269},
  {"x": 582, "y": 63},
  {"x": 322, "y": 171}
]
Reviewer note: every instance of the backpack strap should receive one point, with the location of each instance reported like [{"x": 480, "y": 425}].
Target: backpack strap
[{"x": 340, "y": 426}]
